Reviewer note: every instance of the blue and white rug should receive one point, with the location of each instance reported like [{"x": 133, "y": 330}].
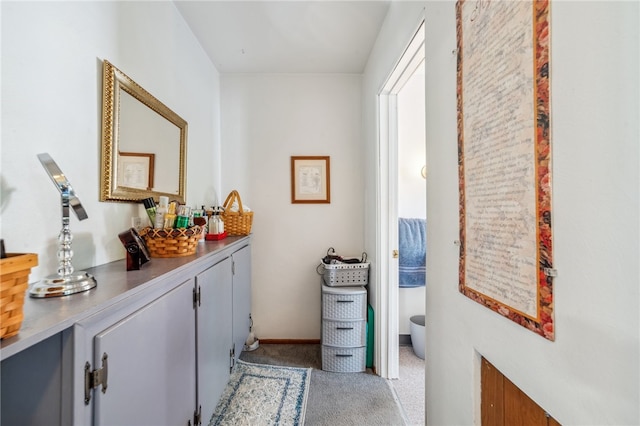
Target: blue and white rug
[{"x": 260, "y": 394}]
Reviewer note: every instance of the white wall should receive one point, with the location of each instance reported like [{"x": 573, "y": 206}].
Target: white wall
[
  {"x": 590, "y": 374},
  {"x": 271, "y": 118},
  {"x": 52, "y": 56}
]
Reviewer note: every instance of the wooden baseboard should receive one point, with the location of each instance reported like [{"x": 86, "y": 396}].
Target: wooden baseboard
[{"x": 290, "y": 341}]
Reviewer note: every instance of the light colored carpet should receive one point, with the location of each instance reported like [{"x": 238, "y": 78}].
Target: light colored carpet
[
  {"x": 260, "y": 395},
  {"x": 335, "y": 399},
  {"x": 410, "y": 386}
]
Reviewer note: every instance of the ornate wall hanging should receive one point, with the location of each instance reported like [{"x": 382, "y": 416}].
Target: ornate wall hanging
[{"x": 504, "y": 159}]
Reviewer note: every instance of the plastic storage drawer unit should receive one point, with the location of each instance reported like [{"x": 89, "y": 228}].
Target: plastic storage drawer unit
[{"x": 344, "y": 329}]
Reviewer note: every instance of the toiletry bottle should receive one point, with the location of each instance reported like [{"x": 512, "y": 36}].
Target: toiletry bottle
[
  {"x": 150, "y": 207},
  {"x": 221, "y": 222},
  {"x": 218, "y": 224},
  {"x": 182, "y": 221},
  {"x": 170, "y": 216},
  {"x": 195, "y": 212},
  {"x": 209, "y": 229},
  {"x": 161, "y": 210}
]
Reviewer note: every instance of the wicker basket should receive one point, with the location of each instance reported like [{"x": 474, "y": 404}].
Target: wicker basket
[
  {"x": 15, "y": 269},
  {"x": 236, "y": 223},
  {"x": 171, "y": 242}
]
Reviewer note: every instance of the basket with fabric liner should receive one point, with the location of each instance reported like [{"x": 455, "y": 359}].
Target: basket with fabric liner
[
  {"x": 169, "y": 242},
  {"x": 236, "y": 222},
  {"x": 15, "y": 270}
]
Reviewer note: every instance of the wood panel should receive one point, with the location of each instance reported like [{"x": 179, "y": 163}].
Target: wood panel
[
  {"x": 519, "y": 409},
  {"x": 492, "y": 402},
  {"x": 503, "y": 403}
]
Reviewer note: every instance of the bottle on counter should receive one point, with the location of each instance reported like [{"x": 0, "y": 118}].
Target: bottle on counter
[
  {"x": 182, "y": 221},
  {"x": 161, "y": 211},
  {"x": 170, "y": 216},
  {"x": 218, "y": 223},
  {"x": 150, "y": 207}
]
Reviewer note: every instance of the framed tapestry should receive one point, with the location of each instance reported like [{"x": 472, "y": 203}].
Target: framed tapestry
[{"x": 504, "y": 159}]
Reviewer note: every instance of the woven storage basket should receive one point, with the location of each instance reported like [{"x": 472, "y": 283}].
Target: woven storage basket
[
  {"x": 15, "y": 269},
  {"x": 171, "y": 242},
  {"x": 236, "y": 223}
]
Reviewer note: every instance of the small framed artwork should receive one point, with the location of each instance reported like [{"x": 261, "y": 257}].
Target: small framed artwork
[
  {"x": 135, "y": 170},
  {"x": 310, "y": 180}
]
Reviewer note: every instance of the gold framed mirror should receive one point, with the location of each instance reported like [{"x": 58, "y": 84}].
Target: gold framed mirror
[{"x": 144, "y": 143}]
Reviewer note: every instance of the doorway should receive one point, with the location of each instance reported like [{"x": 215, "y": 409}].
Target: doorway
[{"x": 388, "y": 207}]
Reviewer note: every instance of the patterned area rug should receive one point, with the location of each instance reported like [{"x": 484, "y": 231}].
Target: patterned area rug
[{"x": 259, "y": 395}]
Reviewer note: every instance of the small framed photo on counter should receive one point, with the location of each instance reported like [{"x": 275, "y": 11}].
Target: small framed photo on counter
[{"x": 310, "y": 180}]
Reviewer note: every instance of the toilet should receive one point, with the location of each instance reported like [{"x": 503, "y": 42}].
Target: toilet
[{"x": 417, "y": 335}]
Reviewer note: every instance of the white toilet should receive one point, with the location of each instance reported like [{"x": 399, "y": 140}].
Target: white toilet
[{"x": 418, "y": 335}]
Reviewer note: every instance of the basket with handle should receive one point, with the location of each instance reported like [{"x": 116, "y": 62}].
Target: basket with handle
[
  {"x": 15, "y": 270},
  {"x": 236, "y": 222},
  {"x": 170, "y": 242}
]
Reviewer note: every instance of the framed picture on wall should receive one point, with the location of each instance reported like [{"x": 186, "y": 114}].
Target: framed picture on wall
[
  {"x": 135, "y": 170},
  {"x": 310, "y": 180}
]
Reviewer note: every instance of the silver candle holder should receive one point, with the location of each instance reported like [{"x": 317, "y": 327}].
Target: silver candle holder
[{"x": 67, "y": 280}]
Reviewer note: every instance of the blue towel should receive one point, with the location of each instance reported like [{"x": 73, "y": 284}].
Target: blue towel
[{"x": 412, "y": 239}]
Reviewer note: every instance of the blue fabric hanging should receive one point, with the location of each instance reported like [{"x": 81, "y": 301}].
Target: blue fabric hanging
[{"x": 412, "y": 239}]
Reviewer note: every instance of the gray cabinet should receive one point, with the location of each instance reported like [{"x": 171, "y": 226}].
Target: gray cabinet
[
  {"x": 223, "y": 322},
  {"x": 149, "y": 347},
  {"x": 147, "y": 364},
  {"x": 214, "y": 324},
  {"x": 241, "y": 298}
]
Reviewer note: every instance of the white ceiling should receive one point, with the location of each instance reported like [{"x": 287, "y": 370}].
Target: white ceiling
[{"x": 266, "y": 36}]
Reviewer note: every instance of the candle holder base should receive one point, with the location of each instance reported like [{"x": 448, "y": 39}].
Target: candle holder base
[{"x": 56, "y": 285}]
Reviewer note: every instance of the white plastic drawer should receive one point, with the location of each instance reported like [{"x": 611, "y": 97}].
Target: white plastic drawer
[
  {"x": 344, "y": 360},
  {"x": 344, "y": 304},
  {"x": 344, "y": 333}
]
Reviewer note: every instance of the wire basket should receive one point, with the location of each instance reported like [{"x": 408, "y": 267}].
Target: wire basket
[
  {"x": 15, "y": 270},
  {"x": 236, "y": 222},
  {"x": 170, "y": 242}
]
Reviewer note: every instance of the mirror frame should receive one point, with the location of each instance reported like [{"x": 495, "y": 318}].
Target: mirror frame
[{"x": 114, "y": 81}]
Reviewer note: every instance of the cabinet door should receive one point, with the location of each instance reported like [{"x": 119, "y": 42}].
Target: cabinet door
[
  {"x": 214, "y": 335},
  {"x": 151, "y": 364},
  {"x": 241, "y": 297}
]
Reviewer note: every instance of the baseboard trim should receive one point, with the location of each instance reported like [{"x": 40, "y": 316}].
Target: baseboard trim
[{"x": 290, "y": 341}]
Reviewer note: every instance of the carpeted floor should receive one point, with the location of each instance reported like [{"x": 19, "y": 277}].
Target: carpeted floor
[
  {"x": 336, "y": 399},
  {"x": 410, "y": 386}
]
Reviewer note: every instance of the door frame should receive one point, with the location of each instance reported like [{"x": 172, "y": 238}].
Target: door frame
[{"x": 387, "y": 204}]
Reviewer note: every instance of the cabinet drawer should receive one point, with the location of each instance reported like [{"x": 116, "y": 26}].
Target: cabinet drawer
[
  {"x": 344, "y": 333},
  {"x": 344, "y": 360},
  {"x": 344, "y": 305}
]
